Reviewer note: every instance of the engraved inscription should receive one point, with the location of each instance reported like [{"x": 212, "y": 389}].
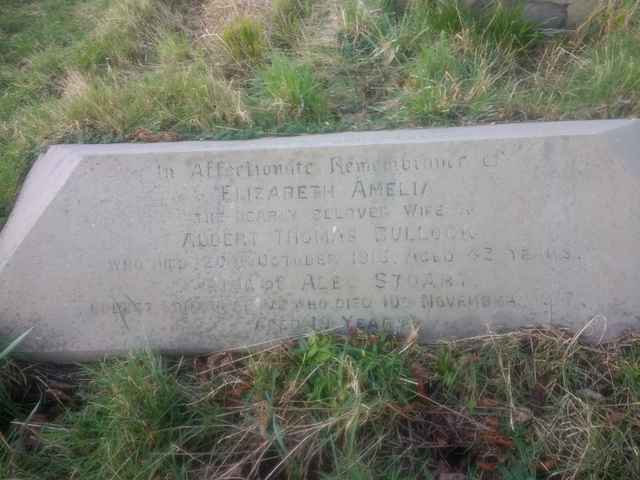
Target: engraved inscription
[{"x": 338, "y": 241}]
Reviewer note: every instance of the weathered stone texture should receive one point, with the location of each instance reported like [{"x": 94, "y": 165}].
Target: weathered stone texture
[{"x": 191, "y": 247}]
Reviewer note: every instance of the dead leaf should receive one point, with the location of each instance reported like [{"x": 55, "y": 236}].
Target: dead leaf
[
  {"x": 485, "y": 402},
  {"x": 492, "y": 423},
  {"x": 615, "y": 417},
  {"x": 487, "y": 467},
  {"x": 239, "y": 389},
  {"x": 497, "y": 439},
  {"x": 220, "y": 362}
]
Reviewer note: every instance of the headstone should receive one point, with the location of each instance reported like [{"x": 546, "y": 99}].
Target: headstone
[{"x": 198, "y": 246}]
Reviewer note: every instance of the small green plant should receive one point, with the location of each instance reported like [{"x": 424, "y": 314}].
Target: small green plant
[
  {"x": 628, "y": 374},
  {"x": 360, "y": 33},
  {"x": 245, "y": 39},
  {"x": 290, "y": 91},
  {"x": 609, "y": 74},
  {"x": 174, "y": 48},
  {"x": 135, "y": 426},
  {"x": 447, "y": 368},
  {"x": 287, "y": 19},
  {"x": 177, "y": 99},
  {"x": 127, "y": 34},
  {"x": 332, "y": 366},
  {"x": 610, "y": 17},
  {"x": 446, "y": 85},
  {"x": 441, "y": 15},
  {"x": 507, "y": 28}
]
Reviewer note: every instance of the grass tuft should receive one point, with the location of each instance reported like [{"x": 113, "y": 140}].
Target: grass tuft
[
  {"x": 507, "y": 28},
  {"x": 127, "y": 33},
  {"x": 289, "y": 91},
  {"x": 609, "y": 75},
  {"x": 245, "y": 39},
  {"x": 287, "y": 21},
  {"x": 174, "y": 99},
  {"x": 137, "y": 424},
  {"x": 445, "y": 86},
  {"x": 529, "y": 404},
  {"x": 175, "y": 49}
]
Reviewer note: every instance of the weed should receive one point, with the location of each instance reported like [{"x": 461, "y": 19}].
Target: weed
[
  {"x": 34, "y": 48},
  {"x": 443, "y": 16},
  {"x": 399, "y": 34},
  {"x": 363, "y": 406},
  {"x": 136, "y": 425},
  {"x": 127, "y": 34},
  {"x": 177, "y": 99},
  {"x": 245, "y": 39},
  {"x": 610, "y": 17},
  {"x": 287, "y": 21},
  {"x": 445, "y": 86},
  {"x": 628, "y": 374},
  {"x": 174, "y": 49},
  {"x": 507, "y": 28},
  {"x": 609, "y": 75},
  {"x": 328, "y": 364},
  {"x": 290, "y": 92}
]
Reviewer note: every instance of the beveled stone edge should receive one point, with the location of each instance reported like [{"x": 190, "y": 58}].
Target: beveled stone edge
[
  {"x": 506, "y": 131},
  {"x": 51, "y": 170}
]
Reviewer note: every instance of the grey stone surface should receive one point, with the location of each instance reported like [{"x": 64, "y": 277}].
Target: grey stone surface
[
  {"x": 549, "y": 14},
  {"x": 198, "y": 246}
]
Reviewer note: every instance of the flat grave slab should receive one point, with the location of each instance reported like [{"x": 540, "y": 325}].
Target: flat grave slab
[{"x": 198, "y": 246}]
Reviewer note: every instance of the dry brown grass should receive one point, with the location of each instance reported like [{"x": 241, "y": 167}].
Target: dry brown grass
[{"x": 218, "y": 13}]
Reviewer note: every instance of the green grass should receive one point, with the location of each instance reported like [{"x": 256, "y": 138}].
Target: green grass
[
  {"x": 609, "y": 74},
  {"x": 287, "y": 21},
  {"x": 136, "y": 420},
  {"x": 446, "y": 85},
  {"x": 523, "y": 406},
  {"x": 288, "y": 91},
  {"x": 183, "y": 100},
  {"x": 127, "y": 34},
  {"x": 245, "y": 39}
]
